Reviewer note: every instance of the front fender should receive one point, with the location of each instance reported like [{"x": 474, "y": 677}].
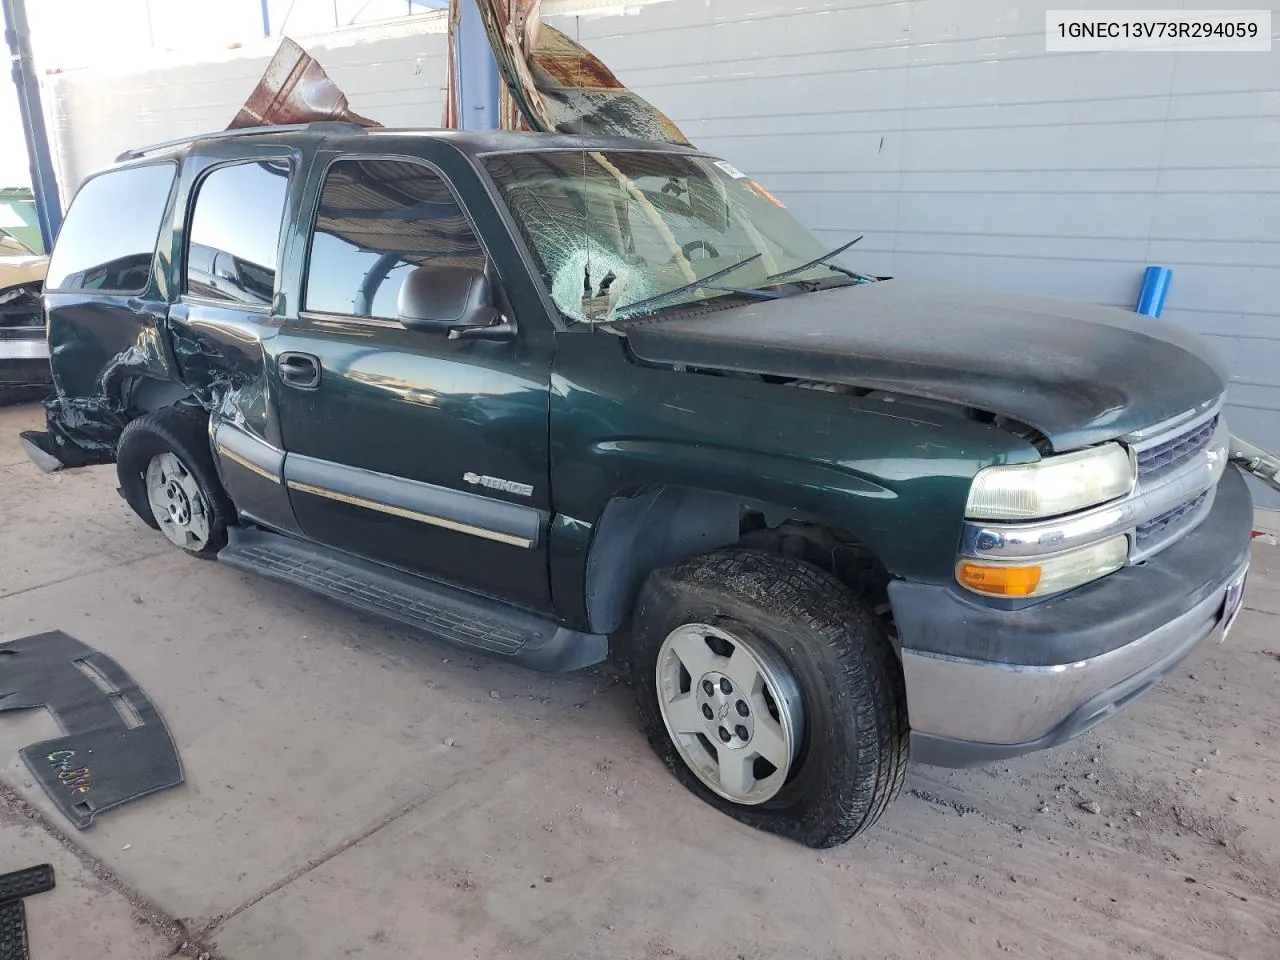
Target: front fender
[{"x": 891, "y": 472}]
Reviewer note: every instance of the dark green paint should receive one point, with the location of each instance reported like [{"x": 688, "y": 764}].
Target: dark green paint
[
  {"x": 566, "y": 410},
  {"x": 568, "y": 546},
  {"x": 421, "y": 406},
  {"x": 429, "y": 409},
  {"x": 895, "y": 474}
]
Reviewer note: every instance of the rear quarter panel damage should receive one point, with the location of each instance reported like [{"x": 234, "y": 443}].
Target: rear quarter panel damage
[
  {"x": 210, "y": 356},
  {"x": 108, "y": 354}
]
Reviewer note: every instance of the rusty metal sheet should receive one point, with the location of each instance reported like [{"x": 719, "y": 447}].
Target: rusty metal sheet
[
  {"x": 295, "y": 89},
  {"x": 449, "y": 119},
  {"x": 555, "y": 84},
  {"x": 582, "y": 95}
]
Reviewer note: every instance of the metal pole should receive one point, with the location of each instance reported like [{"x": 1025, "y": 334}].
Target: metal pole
[
  {"x": 44, "y": 183},
  {"x": 266, "y": 18},
  {"x": 477, "y": 72}
]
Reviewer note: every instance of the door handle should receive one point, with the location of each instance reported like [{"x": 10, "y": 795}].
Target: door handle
[{"x": 300, "y": 370}]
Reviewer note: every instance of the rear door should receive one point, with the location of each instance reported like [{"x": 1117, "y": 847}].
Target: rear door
[
  {"x": 230, "y": 242},
  {"x": 426, "y": 453}
]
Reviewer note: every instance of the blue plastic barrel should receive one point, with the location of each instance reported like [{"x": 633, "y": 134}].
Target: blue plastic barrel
[{"x": 1155, "y": 288}]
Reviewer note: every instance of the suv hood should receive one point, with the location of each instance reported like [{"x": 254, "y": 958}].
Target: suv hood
[
  {"x": 1077, "y": 373},
  {"x": 19, "y": 270}
]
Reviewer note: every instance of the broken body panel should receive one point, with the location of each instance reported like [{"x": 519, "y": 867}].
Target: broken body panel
[
  {"x": 117, "y": 356},
  {"x": 552, "y": 83},
  {"x": 295, "y": 89}
]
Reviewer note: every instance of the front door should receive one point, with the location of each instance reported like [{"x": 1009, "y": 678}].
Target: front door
[{"x": 407, "y": 447}]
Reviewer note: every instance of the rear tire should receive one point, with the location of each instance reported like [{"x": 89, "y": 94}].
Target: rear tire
[
  {"x": 835, "y": 693},
  {"x": 167, "y": 475}
]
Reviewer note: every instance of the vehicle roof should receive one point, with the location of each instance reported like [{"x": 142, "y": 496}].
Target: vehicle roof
[{"x": 349, "y": 136}]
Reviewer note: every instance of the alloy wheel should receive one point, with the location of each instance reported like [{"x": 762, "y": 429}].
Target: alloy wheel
[
  {"x": 176, "y": 502},
  {"x": 732, "y": 708}
]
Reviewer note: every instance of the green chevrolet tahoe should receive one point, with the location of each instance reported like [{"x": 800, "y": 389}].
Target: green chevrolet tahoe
[{"x": 551, "y": 397}]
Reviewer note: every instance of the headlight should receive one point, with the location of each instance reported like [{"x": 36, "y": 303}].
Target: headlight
[
  {"x": 1052, "y": 486},
  {"x": 1052, "y": 574}
]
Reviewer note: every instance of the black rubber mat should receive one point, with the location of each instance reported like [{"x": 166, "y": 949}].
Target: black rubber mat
[
  {"x": 13, "y": 931},
  {"x": 116, "y": 747},
  {"x": 26, "y": 883}
]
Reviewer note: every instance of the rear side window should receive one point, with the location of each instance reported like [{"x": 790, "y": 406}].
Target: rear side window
[
  {"x": 235, "y": 232},
  {"x": 108, "y": 240},
  {"x": 378, "y": 219}
]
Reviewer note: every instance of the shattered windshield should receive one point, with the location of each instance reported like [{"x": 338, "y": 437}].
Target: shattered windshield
[{"x": 619, "y": 234}]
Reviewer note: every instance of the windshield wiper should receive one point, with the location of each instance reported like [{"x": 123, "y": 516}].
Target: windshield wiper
[
  {"x": 749, "y": 292},
  {"x": 704, "y": 282},
  {"x": 822, "y": 261}
]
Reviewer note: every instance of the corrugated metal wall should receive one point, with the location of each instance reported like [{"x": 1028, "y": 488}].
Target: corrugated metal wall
[{"x": 940, "y": 130}]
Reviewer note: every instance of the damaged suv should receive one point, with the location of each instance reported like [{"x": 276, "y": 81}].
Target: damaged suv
[{"x": 527, "y": 393}]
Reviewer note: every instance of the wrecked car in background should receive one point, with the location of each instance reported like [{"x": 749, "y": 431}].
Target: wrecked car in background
[{"x": 24, "y": 352}]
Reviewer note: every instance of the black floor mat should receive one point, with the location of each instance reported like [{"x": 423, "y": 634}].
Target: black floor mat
[
  {"x": 26, "y": 883},
  {"x": 13, "y": 915},
  {"x": 13, "y": 931},
  {"x": 116, "y": 748}
]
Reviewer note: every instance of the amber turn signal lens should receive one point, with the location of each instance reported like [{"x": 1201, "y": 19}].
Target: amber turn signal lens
[
  {"x": 1053, "y": 574},
  {"x": 999, "y": 580}
]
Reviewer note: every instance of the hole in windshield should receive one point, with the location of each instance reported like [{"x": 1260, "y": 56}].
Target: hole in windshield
[{"x": 620, "y": 234}]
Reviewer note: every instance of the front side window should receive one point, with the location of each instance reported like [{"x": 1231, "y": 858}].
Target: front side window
[
  {"x": 108, "y": 239},
  {"x": 235, "y": 232},
  {"x": 614, "y": 229},
  {"x": 378, "y": 220}
]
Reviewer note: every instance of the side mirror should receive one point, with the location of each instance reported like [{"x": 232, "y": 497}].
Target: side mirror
[{"x": 455, "y": 301}]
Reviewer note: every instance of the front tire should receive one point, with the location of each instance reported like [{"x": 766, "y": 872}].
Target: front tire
[
  {"x": 167, "y": 475},
  {"x": 773, "y": 693}
]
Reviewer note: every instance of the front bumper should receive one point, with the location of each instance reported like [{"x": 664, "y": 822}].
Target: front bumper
[
  {"x": 985, "y": 683},
  {"x": 24, "y": 364}
]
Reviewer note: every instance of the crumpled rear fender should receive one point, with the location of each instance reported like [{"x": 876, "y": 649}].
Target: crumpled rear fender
[
  {"x": 204, "y": 355},
  {"x": 92, "y": 406}
]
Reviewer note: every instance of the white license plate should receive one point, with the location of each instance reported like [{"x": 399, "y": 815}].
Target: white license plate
[{"x": 1234, "y": 602}]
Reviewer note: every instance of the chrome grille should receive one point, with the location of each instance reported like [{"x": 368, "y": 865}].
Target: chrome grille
[
  {"x": 1167, "y": 523},
  {"x": 1170, "y": 454},
  {"x": 1179, "y": 464}
]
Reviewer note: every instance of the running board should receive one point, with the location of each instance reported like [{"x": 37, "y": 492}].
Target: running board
[{"x": 475, "y": 623}]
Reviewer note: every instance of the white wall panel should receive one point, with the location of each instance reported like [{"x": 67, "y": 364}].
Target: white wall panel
[{"x": 393, "y": 72}]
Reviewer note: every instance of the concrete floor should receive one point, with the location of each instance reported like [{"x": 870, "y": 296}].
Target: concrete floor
[{"x": 354, "y": 792}]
